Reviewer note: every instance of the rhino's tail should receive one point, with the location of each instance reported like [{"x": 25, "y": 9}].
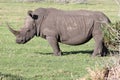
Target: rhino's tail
[
  {"x": 108, "y": 21},
  {"x": 102, "y": 17}
]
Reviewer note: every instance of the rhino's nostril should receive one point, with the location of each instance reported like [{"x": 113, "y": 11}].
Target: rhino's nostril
[{"x": 21, "y": 40}]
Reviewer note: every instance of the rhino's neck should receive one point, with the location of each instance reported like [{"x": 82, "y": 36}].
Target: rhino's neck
[
  {"x": 40, "y": 21},
  {"x": 38, "y": 31}
]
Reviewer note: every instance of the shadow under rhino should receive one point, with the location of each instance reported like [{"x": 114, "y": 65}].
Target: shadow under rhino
[{"x": 69, "y": 52}]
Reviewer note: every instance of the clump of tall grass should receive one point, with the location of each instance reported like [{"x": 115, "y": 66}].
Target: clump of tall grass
[
  {"x": 112, "y": 36},
  {"x": 110, "y": 71}
]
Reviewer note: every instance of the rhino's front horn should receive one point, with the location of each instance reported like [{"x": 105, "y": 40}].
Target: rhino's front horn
[{"x": 12, "y": 30}]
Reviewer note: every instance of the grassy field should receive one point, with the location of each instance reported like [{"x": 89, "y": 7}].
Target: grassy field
[{"x": 34, "y": 60}]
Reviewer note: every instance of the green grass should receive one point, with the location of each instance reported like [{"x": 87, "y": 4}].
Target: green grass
[{"x": 34, "y": 60}]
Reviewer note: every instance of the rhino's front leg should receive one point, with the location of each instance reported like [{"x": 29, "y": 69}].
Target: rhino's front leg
[{"x": 54, "y": 44}]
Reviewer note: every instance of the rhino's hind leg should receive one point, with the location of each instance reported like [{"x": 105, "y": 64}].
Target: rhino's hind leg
[
  {"x": 100, "y": 48},
  {"x": 98, "y": 45},
  {"x": 55, "y": 46}
]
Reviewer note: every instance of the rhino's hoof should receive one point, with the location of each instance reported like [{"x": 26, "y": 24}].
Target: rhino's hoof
[
  {"x": 98, "y": 55},
  {"x": 58, "y": 54}
]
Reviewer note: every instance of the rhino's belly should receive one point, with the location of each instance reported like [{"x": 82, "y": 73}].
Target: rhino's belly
[{"x": 76, "y": 40}]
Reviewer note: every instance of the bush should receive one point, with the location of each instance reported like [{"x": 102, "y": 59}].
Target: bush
[{"x": 112, "y": 36}]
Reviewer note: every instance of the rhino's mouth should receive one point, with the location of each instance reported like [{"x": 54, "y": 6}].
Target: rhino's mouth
[{"x": 21, "y": 42}]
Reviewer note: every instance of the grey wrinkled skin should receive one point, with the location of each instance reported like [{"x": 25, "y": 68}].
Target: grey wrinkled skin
[{"x": 67, "y": 27}]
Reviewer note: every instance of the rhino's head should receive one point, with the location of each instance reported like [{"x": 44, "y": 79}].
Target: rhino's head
[{"x": 28, "y": 31}]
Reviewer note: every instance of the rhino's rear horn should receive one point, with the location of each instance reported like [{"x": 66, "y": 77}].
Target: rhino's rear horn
[{"x": 12, "y": 30}]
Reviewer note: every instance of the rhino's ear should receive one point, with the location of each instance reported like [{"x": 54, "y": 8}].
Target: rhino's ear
[{"x": 30, "y": 13}]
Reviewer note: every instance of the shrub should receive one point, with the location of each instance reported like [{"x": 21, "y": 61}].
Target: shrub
[{"x": 112, "y": 36}]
